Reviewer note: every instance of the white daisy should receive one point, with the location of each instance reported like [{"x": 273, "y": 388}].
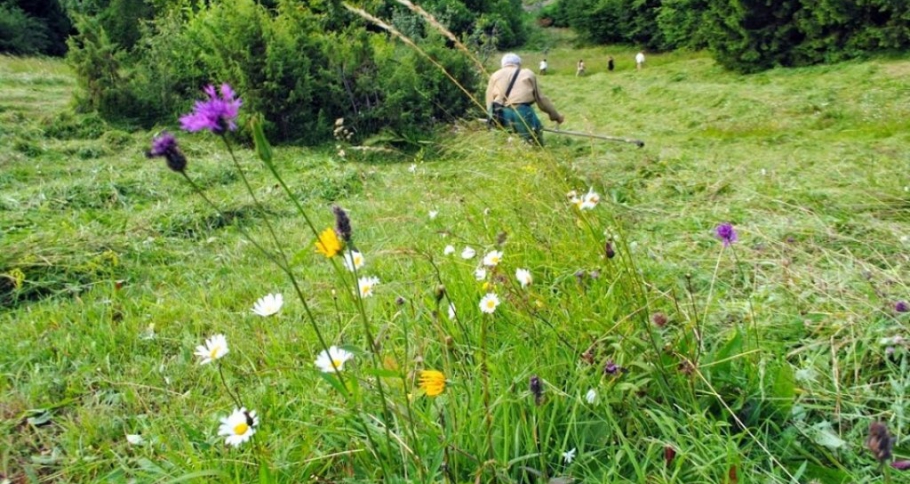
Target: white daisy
[
  {"x": 493, "y": 258},
  {"x": 238, "y": 427},
  {"x": 489, "y": 302},
  {"x": 452, "y": 311},
  {"x": 268, "y": 305},
  {"x": 449, "y": 250},
  {"x": 366, "y": 285},
  {"x": 433, "y": 214},
  {"x": 480, "y": 274},
  {"x": 413, "y": 168},
  {"x": 135, "y": 439},
  {"x": 523, "y": 276},
  {"x": 591, "y": 396},
  {"x": 568, "y": 456},
  {"x": 333, "y": 360},
  {"x": 468, "y": 253},
  {"x": 590, "y": 200},
  {"x": 353, "y": 260},
  {"x": 213, "y": 349}
]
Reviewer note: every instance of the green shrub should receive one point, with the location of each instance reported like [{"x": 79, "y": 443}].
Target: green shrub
[
  {"x": 285, "y": 64},
  {"x": 21, "y": 34}
]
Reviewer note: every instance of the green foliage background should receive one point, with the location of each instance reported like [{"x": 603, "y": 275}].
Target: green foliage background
[{"x": 745, "y": 35}]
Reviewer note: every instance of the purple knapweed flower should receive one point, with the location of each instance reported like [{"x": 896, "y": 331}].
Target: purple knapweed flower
[
  {"x": 611, "y": 368},
  {"x": 217, "y": 114},
  {"x": 165, "y": 145},
  {"x": 901, "y": 306},
  {"x": 726, "y": 233},
  {"x": 901, "y": 465}
]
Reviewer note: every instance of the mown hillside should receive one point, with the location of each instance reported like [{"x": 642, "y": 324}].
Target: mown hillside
[{"x": 762, "y": 361}]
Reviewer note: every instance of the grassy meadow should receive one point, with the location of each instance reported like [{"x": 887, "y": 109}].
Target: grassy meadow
[{"x": 674, "y": 360}]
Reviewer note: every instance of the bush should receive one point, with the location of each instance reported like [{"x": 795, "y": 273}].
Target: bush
[
  {"x": 21, "y": 34},
  {"x": 284, "y": 62}
]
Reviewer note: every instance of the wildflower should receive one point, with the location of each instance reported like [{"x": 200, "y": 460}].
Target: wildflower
[
  {"x": 268, "y": 305},
  {"x": 595, "y": 274},
  {"x": 452, "y": 311},
  {"x": 433, "y": 214},
  {"x": 489, "y": 302},
  {"x": 523, "y": 276},
  {"x": 366, "y": 285},
  {"x": 879, "y": 442},
  {"x": 591, "y": 396},
  {"x": 216, "y": 114},
  {"x": 669, "y": 454},
  {"x": 726, "y": 234},
  {"x": 333, "y": 360},
  {"x": 135, "y": 439},
  {"x": 480, "y": 274},
  {"x": 342, "y": 223},
  {"x": 493, "y": 258},
  {"x": 213, "y": 349},
  {"x": 449, "y": 250},
  {"x": 901, "y": 465},
  {"x": 608, "y": 250},
  {"x": 589, "y": 201},
  {"x": 239, "y": 426},
  {"x": 432, "y": 382},
  {"x": 353, "y": 260},
  {"x": 413, "y": 168},
  {"x": 568, "y": 456},
  {"x": 328, "y": 243},
  {"x": 165, "y": 145},
  {"x": 536, "y": 388},
  {"x": 659, "y": 319},
  {"x": 468, "y": 253},
  {"x": 901, "y": 306},
  {"x": 611, "y": 368}
]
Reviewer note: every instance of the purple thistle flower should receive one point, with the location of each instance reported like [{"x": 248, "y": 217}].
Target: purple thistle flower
[
  {"x": 901, "y": 465},
  {"x": 901, "y": 306},
  {"x": 165, "y": 145},
  {"x": 610, "y": 368},
  {"x": 216, "y": 114},
  {"x": 726, "y": 233}
]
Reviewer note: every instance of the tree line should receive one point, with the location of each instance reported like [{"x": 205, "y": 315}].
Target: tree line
[{"x": 744, "y": 35}]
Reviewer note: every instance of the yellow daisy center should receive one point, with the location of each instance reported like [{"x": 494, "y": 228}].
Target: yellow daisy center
[
  {"x": 491, "y": 304},
  {"x": 358, "y": 260},
  {"x": 241, "y": 428},
  {"x": 337, "y": 363},
  {"x": 214, "y": 353}
]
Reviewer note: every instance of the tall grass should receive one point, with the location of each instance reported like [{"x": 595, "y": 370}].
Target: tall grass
[{"x": 135, "y": 271}]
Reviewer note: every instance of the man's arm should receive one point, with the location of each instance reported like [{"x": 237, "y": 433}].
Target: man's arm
[{"x": 546, "y": 105}]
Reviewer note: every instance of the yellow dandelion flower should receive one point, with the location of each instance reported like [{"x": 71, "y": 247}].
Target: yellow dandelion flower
[
  {"x": 328, "y": 243},
  {"x": 432, "y": 382}
]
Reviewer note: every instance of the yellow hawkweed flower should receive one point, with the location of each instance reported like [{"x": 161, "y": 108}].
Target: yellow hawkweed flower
[
  {"x": 432, "y": 382},
  {"x": 328, "y": 243}
]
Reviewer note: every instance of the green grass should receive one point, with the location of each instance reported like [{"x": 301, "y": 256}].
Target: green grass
[{"x": 808, "y": 164}]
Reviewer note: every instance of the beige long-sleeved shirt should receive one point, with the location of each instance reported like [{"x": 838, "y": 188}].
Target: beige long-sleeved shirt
[{"x": 525, "y": 91}]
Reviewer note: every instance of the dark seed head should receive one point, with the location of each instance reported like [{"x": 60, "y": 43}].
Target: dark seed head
[
  {"x": 342, "y": 223},
  {"x": 608, "y": 250},
  {"x": 659, "y": 319},
  {"x": 536, "y": 389},
  {"x": 879, "y": 441},
  {"x": 669, "y": 454}
]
